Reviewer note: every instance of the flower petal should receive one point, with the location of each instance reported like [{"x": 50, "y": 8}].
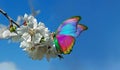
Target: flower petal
[
  {"x": 6, "y": 34},
  {"x": 37, "y": 38},
  {"x": 26, "y": 37}
]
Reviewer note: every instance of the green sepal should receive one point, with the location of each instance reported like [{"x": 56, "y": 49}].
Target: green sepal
[
  {"x": 42, "y": 40},
  {"x": 12, "y": 28}
]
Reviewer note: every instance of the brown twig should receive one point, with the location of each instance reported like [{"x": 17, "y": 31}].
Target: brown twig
[{"x": 9, "y": 18}]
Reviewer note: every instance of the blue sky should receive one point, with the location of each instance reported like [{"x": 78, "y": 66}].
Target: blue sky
[{"x": 98, "y": 48}]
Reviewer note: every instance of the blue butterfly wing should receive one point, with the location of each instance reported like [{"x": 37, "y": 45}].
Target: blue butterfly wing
[{"x": 70, "y": 27}]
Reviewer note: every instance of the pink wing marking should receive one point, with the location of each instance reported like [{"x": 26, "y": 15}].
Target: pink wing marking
[{"x": 66, "y": 43}]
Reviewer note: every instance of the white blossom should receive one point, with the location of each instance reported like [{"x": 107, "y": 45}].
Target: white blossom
[{"x": 34, "y": 38}]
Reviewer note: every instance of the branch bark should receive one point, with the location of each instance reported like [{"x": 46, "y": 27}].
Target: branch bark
[{"x": 9, "y": 18}]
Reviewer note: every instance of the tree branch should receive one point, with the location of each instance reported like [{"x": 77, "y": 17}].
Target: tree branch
[{"x": 9, "y": 18}]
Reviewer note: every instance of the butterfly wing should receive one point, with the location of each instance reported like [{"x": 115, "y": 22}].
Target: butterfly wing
[
  {"x": 80, "y": 28},
  {"x": 64, "y": 43},
  {"x": 69, "y": 27},
  {"x": 66, "y": 34}
]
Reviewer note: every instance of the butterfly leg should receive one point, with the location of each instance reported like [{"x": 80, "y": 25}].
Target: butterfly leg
[{"x": 60, "y": 56}]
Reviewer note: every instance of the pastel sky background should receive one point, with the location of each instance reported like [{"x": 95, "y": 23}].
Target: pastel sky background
[{"x": 98, "y": 48}]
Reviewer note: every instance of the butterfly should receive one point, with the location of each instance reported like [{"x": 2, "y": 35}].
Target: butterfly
[{"x": 67, "y": 32}]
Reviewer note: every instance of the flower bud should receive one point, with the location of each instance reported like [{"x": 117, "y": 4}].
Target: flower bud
[{"x": 12, "y": 28}]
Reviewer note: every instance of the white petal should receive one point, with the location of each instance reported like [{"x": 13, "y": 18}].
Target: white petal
[
  {"x": 40, "y": 29},
  {"x": 30, "y": 17},
  {"x": 41, "y": 24},
  {"x": 35, "y": 24},
  {"x": 25, "y": 16},
  {"x": 2, "y": 29},
  {"x": 37, "y": 38},
  {"x": 26, "y": 45},
  {"x": 22, "y": 30},
  {"x": 6, "y": 34},
  {"x": 23, "y": 44},
  {"x": 13, "y": 34},
  {"x": 27, "y": 37},
  {"x": 19, "y": 19},
  {"x": 37, "y": 54},
  {"x": 16, "y": 38},
  {"x": 46, "y": 30},
  {"x": 30, "y": 25}
]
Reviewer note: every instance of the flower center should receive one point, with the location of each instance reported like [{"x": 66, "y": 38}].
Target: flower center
[
  {"x": 31, "y": 32},
  {"x": 32, "y": 48}
]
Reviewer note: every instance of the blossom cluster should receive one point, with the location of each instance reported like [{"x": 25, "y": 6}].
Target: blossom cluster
[{"x": 34, "y": 38}]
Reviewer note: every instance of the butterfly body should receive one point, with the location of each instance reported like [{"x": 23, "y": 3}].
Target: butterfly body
[{"x": 65, "y": 35}]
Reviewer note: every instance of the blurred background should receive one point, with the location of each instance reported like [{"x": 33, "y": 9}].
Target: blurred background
[{"x": 98, "y": 48}]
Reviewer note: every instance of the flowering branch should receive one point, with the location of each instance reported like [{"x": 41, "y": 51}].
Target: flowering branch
[
  {"x": 9, "y": 18},
  {"x": 34, "y": 37}
]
